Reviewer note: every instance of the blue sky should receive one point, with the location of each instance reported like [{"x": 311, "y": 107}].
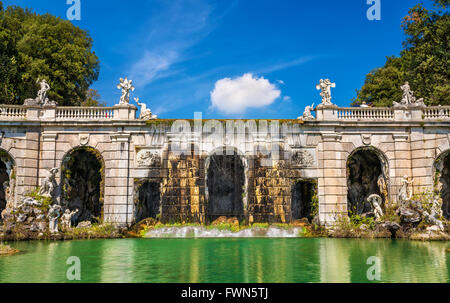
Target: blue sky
[{"x": 235, "y": 58}]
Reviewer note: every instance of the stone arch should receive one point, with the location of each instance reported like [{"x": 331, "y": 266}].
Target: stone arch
[
  {"x": 442, "y": 181},
  {"x": 367, "y": 173},
  {"x": 226, "y": 184},
  {"x": 83, "y": 183},
  {"x": 7, "y": 179}
]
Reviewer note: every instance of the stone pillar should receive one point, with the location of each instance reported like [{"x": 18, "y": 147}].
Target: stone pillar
[
  {"x": 118, "y": 202},
  {"x": 47, "y": 156},
  {"x": 327, "y": 112},
  {"x": 402, "y": 162},
  {"x": 332, "y": 185},
  {"x": 125, "y": 112},
  {"x": 27, "y": 152}
]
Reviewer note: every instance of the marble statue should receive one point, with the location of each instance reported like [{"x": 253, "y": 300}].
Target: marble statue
[
  {"x": 126, "y": 86},
  {"x": 325, "y": 87},
  {"x": 408, "y": 98},
  {"x": 382, "y": 186},
  {"x": 307, "y": 116},
  {"x": 49, "y": 184},
  {"x": 42, "y": 93},
  {"x": 147, "y": 158},
  {"x": 376, "y": 201},
  {"x": 364, "y": 104},
  {"x": 405, "y": 193},
  {"x": 66, "y": 219},
  {"x": 146, "y": 113},
  {"x": 53, "y": 215},
  {"x": 42, "y": 96}
]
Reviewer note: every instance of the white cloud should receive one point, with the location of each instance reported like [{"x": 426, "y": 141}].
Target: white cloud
[{"x": 234, "y": 96}]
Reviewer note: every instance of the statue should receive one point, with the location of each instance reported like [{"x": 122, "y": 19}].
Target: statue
[
  {"x": 42, "y": 96},
  {"x": 66, "y": 219},
  {"x": 307, "y": 116},
  {"x": 382, "y": 186},
  {"x": 146, "y": 113},
  {"x": 126, "y": 86},
  {"x": 405, "y": 193},
  {"x": 49, "y": 184},
  {"x": 376, "y": 201},
  {"x": 325, "y": 87},
  {"x": 42, "y": 93},
  {"x": 53, "y": 215},
  {"x": 408, "y": 98}
]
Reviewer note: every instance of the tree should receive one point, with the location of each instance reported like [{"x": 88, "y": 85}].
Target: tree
[
  {"x": 92, "y": 99},
  {"x": 44, "y": 47},
  {"x": 423, "y": 61}
]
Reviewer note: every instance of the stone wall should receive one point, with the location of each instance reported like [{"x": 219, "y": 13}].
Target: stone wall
[{"x": 135, "y": 151}]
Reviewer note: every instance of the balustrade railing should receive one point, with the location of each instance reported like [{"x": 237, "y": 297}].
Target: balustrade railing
[
  {"x": 369, "y": 113},
  {"x": 436, "y": 113},
  {"x": 84, "y": 113},
  {"x": 12, "y": 112}
]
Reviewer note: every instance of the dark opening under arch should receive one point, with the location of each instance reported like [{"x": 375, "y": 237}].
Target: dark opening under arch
[
  {"x": 148, "y": 200},
  {"x": 366, "y": 175},
  {"x": 225, "y": 182},
  {"x": 82, "y": 184},
  {"x": 303, "y": 202}
]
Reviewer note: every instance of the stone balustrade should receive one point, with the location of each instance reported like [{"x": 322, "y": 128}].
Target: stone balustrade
[
  {"x": 11, "y": 112},
  {"x": 436, "y": 112},
  {"x": 128, "y": 112},
  {"x": 370, "y": 113},
  {"x": 84, "y": 113}
]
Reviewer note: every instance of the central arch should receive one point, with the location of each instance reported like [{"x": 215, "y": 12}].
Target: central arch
[
  {"x": 226, "y": 184},
  {"x": 82, "y": 179},
  {"x": 367, "y": 174}
]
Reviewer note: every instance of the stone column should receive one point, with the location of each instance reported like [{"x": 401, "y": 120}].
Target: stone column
[
  {"x": 118, "y": 202},
  {"x": 332, "y": 182}
]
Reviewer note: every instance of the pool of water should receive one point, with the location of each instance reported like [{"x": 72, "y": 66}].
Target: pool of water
[{"x": 228, "y": 260}]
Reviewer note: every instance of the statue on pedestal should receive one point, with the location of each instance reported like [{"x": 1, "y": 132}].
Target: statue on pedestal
[
  {"x": 325, "y": 87},
  {"x": 42, "y": 96},
  {"x": 408, "y": 98},
  {"x": 307, "y": 115},
  {"x": 126, "y": 86},
  {"x": 49, "y": 184},
  {"x": 146, "y": 113},
  {"x": 53, "y": 215},
  {"x": 405, "y": 193}
]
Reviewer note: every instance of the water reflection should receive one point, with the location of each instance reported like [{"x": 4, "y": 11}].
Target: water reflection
[{"x": 228, "y": 260}]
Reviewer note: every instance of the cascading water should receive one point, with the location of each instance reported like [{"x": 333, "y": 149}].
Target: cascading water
[{"x": 203, "y": 232}]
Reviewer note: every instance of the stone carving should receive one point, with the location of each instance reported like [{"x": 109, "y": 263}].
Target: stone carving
[
  {"x": 146, "y": 113},
  {"x": 307, "y": 116},
  {"x": 303, "y": 158},
  {"x": 53, "y": 215},
  {"x": 49, "y": 184},
  {"x": 42, "y": 96},
  {"x": 405, "y": 193},
  {"x": 84, "y": 139},
  {"x": 366, "y": 139},
  {"x": 408, "y": 99},
  {"x": 126, "y": 86},
  {"x": 325, "y": 87},
  {"x": 146, "y": 158},
  {"x": 382, "y": 186},
  {"x": 66, "y": 219},
  {"x": 376, "y": 201}
]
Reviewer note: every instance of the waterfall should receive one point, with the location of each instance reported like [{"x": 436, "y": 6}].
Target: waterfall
[{"x": 203, "y": 232}]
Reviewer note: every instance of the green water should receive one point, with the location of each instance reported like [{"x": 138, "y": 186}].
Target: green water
[{"x": 228, "y": 260}]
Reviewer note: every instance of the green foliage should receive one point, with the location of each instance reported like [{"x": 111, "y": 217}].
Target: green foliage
[
  {"x": 46, "y": 202},
  {"x": 35, "y": 47},
  {"x": 423, "y": 62},
  {"x": 92, "y": 99}
]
